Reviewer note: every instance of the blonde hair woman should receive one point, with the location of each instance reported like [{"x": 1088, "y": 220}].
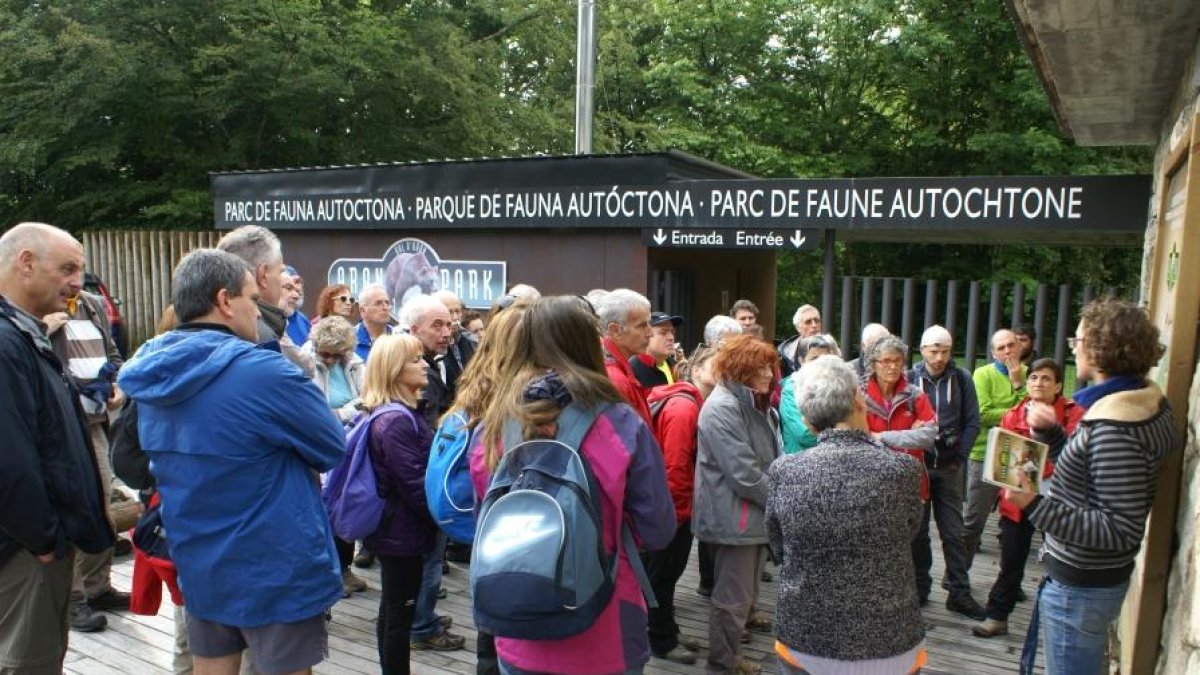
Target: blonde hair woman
[{"x": 399, "y": 441}]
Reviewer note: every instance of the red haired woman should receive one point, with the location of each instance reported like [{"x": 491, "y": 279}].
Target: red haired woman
[{"x": 737, "y": 439}]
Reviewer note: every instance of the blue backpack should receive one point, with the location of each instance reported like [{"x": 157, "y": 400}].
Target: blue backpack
[
  {"x": 539, "y": 570},
  {"x": 448, "y": 487},
  {"x": 351, "y": 493}
]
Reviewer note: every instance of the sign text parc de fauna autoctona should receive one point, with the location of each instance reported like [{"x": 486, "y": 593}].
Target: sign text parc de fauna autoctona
[{"x": 1087, "y": 203}]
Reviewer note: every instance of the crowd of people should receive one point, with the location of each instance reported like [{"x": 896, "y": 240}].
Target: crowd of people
[{"x": 228, "y": 420}]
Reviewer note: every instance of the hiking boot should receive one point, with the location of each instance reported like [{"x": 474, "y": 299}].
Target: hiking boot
[
  {"x": 746, "y": 668},
  {"x": 352, "y": 583},
  {"x": 445, "y": 621},
  {"x": 967, "y": 607},
  {"x": 111, "y": 600},
  {"x": 364, "y": 559},
  {"x": 688, "y": 642},
  {"x": 759, "y": 623},
  {"x": 1021, "y": 595},
  {"x": 990, "y": 628},
  {"x": 85, "y": 620},
  {"x": 442, "y": 642},
  {"x": 679, "y": 655}
]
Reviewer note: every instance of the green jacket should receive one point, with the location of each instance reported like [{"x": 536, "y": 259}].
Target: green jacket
[
  {"x": 796, "y": 434},
  {"x": 996, "y": 396}
]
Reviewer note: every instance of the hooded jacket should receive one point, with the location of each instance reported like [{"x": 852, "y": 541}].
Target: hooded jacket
[
  {"x": 236, "y": 436},
  {"x": 736, "y": 444},
  {"x": 952, "y": 395},
  {"x": 50, "y": 492},
  {"x": 675, "y": 409},
  {"x": 894, "y": 420},
  {"x": 1094, "y": 515}
]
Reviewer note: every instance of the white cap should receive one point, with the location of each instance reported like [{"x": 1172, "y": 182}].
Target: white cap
[{"x": 936, "y": 335}]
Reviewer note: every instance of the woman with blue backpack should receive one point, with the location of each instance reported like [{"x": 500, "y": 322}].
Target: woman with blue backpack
[
  {"x": 398, "y": 440},
  {"x": 560, "y": 422}
]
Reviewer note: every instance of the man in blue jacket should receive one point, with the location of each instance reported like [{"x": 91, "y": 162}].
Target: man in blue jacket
[
  {"x": 237, "y": 473},
  {"x": 51, "y": 499},
  {"x": 951, "y": 392}
]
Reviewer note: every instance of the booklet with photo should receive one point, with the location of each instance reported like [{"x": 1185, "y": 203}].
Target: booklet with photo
[{"x": 1009, "y": 453}]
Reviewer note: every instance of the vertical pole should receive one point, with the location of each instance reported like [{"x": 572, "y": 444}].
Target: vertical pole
[
  {"x": 952, "y": 307},
  {"x": 1061, "y": 327},
  {"x": 931, "y": 290},
  {"x": 1089, "y": 294},
  {"x": 995, "y": 304},
  {"x": 1018, "y": 307},
  {"x": 585, "y": 79},
  {"x": 827, "y": 285},
  {"x": 908, "y": 313},
  {"x": 972, "y": 325},
  {"x": 887, "y": 313},
  {"x": 1041, "y": 305},
  {"x": 847, "y": 314},
  {"x": 868, "y": 302}
]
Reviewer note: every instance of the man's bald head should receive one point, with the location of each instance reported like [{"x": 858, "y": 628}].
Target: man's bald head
[
  {"x": 34, "y": 237},
  {"x": 41, "y": 267}
]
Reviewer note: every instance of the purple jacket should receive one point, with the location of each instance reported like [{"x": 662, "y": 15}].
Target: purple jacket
[{"x": 400, "y": 443}]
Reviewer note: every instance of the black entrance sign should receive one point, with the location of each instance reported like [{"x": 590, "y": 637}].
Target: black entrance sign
[
  {"x": 399, "y": 197},
  {"x": 771, "y": 240}
]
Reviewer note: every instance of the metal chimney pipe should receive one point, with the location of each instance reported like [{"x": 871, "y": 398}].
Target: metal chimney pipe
[{"x": 585, "y": 79}]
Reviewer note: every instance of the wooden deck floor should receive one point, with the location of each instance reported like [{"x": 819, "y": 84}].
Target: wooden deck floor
[{"x": 142, "y": 644}]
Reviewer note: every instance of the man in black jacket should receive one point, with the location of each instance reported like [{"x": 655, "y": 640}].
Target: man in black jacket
[{"x": 51, "y": 499}]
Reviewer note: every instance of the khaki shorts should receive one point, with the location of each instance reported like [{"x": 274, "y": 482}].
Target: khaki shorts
[
  {"x": 33, "y": 614},
  {"x": 276, "y": 647}
]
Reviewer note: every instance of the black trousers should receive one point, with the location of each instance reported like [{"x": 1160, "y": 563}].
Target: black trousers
[
  {"x": 401, "y": 580},
  {"x": 1015, "y": 542},
  {"x": 345, "y": 551},
  {"x": 664, "y": 568},
  {"x": 945, "y": 505},
  {"x": 486, "y": 660}
]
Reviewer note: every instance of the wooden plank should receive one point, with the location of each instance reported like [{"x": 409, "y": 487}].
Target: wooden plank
[{"x": 143, "y": 644}]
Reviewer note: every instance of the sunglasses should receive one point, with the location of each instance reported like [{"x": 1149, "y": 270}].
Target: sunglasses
[{"x": 344, "y": 298}]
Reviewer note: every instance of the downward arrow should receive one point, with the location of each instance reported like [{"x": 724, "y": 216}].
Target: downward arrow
[
  {"x": 659, "y": 237},
  {"x": 796, "y": 239}
]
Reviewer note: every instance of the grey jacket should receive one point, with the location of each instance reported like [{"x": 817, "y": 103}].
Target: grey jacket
[
  {"x": 736, "y": 444},
  {"x": 841, "y": 517}
]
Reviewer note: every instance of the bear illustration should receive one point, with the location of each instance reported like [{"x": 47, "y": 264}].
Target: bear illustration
[{"x": 408, "y": 275}]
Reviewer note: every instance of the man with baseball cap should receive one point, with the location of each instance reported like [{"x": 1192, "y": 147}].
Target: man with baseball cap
[
  {"x": 656, "y": 366},
  {"x": 952, "y": 393}
]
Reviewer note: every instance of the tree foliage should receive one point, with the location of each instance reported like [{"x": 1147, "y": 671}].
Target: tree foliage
[{"x": 113, "y": 113}]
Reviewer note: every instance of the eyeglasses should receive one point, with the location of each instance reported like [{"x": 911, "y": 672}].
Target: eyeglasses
[
  {"x": 1073, "y": 342},
  {"x": 506, "y": 301},
  {"x": 329, "y": 356},
  {"x": 344, "y": 298}
]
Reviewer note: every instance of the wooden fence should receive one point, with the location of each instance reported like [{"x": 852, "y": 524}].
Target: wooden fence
[
  {"x": 970, "y": 310},
  {"x": 136, "y": 267}
]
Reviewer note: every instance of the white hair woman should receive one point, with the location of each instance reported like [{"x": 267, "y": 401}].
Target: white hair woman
[{"x": 840, "y": 520}]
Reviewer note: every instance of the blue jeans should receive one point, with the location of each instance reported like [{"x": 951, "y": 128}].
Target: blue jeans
[
  {"x": 425, "y": 619},
  {"x": 1075, "y": 630}
]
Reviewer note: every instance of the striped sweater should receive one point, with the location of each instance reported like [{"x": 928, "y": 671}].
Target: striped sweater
[{"x": 1094, "y": 514}]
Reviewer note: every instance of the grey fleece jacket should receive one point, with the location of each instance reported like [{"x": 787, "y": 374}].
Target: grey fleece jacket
[
  {"x": 735, "y": 444},
  {"x": 841, "y": 518}
]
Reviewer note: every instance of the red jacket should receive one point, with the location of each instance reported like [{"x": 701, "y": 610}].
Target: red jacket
[
  {"x": 907, "y": 407},
  {"x": 674, "y": 428},
  {"x": 621, "y": 374},
  {"x": 1067, "y": 412}
]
